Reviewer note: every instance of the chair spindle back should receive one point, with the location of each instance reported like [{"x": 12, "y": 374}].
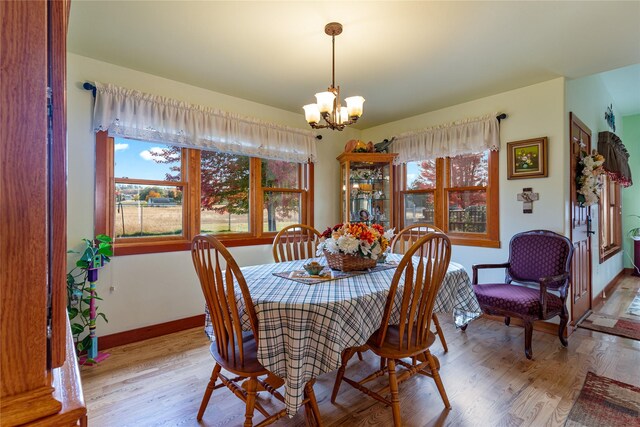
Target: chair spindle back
[
  {"x": 294, "y": 242},
  {"x": 423, "y": 268},
  {"x": 409, "y": 235},
  {"x": 219, "y": 289}
]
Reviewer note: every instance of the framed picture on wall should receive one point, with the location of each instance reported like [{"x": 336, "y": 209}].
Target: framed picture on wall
[{"x": 527, "y": 159}]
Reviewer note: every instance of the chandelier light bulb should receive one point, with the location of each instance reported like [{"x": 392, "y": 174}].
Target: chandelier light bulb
[
  {"x": 311, "y": 113},
  {"x": 325, "y": 101},
  {"x": 354, "y": 105}
]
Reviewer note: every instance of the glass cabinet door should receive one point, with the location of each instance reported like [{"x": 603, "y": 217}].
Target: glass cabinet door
[
  {"x": 370, "y": 193},
  {"x": 367, "y": 185}
]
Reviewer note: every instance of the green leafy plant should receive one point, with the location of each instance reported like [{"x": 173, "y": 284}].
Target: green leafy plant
[
  {"x": 79, "y": 295},
  {"x": 634, "y": 233}
]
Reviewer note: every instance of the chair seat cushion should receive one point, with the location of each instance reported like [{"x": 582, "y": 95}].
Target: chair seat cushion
[{"x": 514, "y": 298}]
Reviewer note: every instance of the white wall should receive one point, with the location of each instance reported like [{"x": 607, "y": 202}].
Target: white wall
[
  {"x": 533, "y": 111},
  {"x": 588, "y": 98},
  {"x": 157, "y": 288}
]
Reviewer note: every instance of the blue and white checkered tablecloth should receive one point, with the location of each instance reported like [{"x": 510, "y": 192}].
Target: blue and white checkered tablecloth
[{"x": 304, "y": 328}]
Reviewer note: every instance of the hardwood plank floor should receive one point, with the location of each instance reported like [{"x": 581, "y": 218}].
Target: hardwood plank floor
[
  {"x": 160, "y": 382},
  {"x": 623, "y": 294}
]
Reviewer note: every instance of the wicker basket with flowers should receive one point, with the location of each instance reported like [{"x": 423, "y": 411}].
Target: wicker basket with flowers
[{"x": 354, "y": 246}]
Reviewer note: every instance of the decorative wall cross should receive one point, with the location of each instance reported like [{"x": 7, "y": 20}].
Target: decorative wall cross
[{"x": 527, "y": 197}]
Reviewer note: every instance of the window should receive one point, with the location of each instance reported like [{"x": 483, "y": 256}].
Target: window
[
  {"x": 457, "y": 194},
  {"x": 155, "y": 197},
  {"x": 610, "y": 219}
]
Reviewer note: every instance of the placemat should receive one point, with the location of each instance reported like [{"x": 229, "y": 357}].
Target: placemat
[{"x": 327, "y": 274}]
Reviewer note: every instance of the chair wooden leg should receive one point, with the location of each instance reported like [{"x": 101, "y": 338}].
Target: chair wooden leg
[
  {"x": 383, "y": 363},
  {"x": 312, "y": 404},
  {"x": 439, "y": 332},
  {"x": 208, "y": 391},
  {"x": 346, "y": 355},
  {"x": 436, "y": 377},
  {"x": 528, "y": 334},
  {"x": 393, "y": 388},
  {"x": 251, "y": 401},
  {"x": 564, "y": 319},
  {"x": 507, "y": 320}
]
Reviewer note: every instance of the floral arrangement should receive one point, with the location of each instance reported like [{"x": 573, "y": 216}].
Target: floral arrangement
[
  {"x": 356, "y": 238},
  {"x": 588, "y": 174}
]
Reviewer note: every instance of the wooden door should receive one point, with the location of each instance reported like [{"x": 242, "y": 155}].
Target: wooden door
[{"x": 580, "y": 218}]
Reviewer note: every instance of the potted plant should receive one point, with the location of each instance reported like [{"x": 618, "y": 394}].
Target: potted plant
[{"x": 82, "y": 296}]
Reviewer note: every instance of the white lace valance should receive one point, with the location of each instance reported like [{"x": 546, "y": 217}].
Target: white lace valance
[
  {"x": 130, "y": 113},
  {"x": 463, "y": 137}
]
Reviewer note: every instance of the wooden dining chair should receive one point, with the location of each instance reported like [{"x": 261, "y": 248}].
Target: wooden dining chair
[
  {"x": 233, "y": 349},
  {"x": 294, "y": 242},
  {"x": 414, "y": 288},
  {"x": 401, "y": 243}
]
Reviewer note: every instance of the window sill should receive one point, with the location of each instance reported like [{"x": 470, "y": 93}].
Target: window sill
[
  {"x": 147, "y": 247},
  {"x": 473, "y": 241}
]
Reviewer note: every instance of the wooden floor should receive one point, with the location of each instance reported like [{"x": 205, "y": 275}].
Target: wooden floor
[
  {"x": 160, "y": 382},
  {"x": 616, "y": 304}
]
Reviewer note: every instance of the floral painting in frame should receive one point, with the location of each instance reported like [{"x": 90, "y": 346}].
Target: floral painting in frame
[{"x": 527, "y": 158}]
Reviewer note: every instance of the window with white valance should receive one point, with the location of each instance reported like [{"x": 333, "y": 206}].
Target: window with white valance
[
  {"x": 448, "y": 177},
  {"x": 463, "y": 137},
  {"x": 133, "y": 114},
  {"x": 167, "y": 171}
]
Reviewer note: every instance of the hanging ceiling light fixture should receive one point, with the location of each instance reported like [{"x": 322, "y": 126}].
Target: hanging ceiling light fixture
[{"x": 328, "y": 103}]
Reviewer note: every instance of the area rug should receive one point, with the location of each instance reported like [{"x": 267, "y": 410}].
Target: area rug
[
  {"x": 604, "y": 402},
  {"x": 634, "y": 307},
  {"x": 622, "y": 327}
]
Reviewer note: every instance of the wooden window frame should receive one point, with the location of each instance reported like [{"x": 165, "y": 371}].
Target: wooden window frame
[
  {"x": 490, "y": 239},
  {"x": 190, "y": 181},
  {"x": 606, "y": 252}
]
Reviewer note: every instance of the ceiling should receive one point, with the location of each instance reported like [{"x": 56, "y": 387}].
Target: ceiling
[{"x": 405, "y": 58}]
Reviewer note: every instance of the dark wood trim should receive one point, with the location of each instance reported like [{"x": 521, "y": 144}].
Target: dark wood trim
[
  {"x": 602, "y": 297},
  {"x": 151, "y": 331}
]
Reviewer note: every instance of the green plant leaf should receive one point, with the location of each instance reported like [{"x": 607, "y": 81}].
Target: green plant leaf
[
  {"x": 82, "y": 263},
  {"x": 73, "y": 312},
  {"x": 77, "y": 328},
  {"x": 106, "y": 251},
  {"x": 86, "y": 312},
  {"x": 104, "y": 238},
  {"x": 103, "y": 316},
  {"x": 87, "y": 342}
]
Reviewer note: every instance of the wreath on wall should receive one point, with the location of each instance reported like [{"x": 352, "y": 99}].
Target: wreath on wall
[{"x": 588, "y": 183}]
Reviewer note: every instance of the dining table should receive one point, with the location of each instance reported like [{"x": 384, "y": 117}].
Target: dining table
[{"x": 303, "y": 328}]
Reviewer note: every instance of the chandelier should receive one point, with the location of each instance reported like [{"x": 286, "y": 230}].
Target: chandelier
[{"x": 328, "y": 105}]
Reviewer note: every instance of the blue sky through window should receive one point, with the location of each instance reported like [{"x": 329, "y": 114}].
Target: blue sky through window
[{"x": 134, "y": 159}]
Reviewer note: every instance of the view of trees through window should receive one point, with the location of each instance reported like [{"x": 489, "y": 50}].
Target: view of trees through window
[
  {"x": 149, "y": 186},
  {"x": 148, "y": 189},
  {"x": 464, "y": 188},
  {"x": 281, "y": 183}
]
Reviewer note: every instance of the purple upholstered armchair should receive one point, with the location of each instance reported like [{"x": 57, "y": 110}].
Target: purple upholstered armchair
[{"x": 539, "y": 261}]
